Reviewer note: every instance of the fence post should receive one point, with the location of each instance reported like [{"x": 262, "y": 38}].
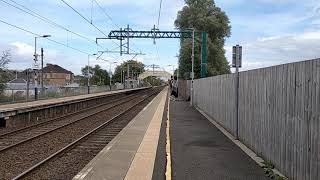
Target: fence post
[{"x": 237, "y": 102}]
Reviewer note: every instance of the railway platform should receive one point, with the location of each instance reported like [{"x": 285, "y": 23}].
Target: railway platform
[
  {"x": 198, "y": 149},
  {"x": 132, "y": 153},
  {"x": 145, "y": 135},
  {"x": 20, "y": 114}
]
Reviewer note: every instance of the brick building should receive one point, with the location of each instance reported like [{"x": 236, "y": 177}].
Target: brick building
[{"x": 54, "y": 75}]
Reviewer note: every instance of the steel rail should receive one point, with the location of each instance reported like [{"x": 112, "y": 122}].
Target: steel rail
[
  {"x": 61, "y": 117},
  {"x": 65, "y": 125},
  {"x": 23, "y": 174}
]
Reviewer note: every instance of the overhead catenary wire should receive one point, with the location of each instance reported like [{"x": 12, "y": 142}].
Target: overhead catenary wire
[
  {"x": 84, "y": 18},
  {"x": 159, "y": 15},
  {"x": 88, "y": 21},
  {"x": 105, "y": 13},
  {"x": 35, "y": 34},
  {"x": 49, "y": 39},
  {"x": 44, "y": 19},
  {"x": 111, "y": 19}
]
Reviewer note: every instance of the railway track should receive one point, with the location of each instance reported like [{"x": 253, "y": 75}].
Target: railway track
[
  {"x": 23, "y": 135},
  {"x": 34, "y": 125},
  {"x": 18, "y": 158}
]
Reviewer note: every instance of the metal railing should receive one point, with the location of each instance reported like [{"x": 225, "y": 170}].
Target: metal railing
[{"x": 16, "y": 96}]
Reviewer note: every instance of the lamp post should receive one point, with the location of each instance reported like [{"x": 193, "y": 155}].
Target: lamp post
[
  {"x": 35, "y": 45},
  {"x": 88, "y": 72},
  {"x": 172, "y": 69},
  {"x": 177, "y": 73},
  {"x": 110, "y": 75},
  {"x": 35, "y": 65},
  {"x": 192, "y": 67}
]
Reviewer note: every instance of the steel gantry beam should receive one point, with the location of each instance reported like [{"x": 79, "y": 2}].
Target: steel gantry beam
[
  {"x": 124, "y": 35},
  {"x": 127, "y": 33}
]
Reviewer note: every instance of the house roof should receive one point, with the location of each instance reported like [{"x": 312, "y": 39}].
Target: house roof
[
  {"x": 53, "y": 68},
  {"x": 18, "y": 81}
]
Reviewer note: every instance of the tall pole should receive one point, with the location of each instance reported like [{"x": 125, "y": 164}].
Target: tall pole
[
  {"x": 35, "y": 61},
  {"x": 35, "y": 70},
  {"x": 128, "y": 39},
  {"x": 35, "y": 49},
  {"x": 110, "y": 76},
  {"x": 237, "y": 101},
  {"x": 203, "y": 54},
  {"x": 42, "y": 86},
  {"x": 132, "y": 77},
  {"x": 173, "y": 70},
  {"x": 28, "y": 85},
  {"x": 192, "y": 70},
  {"x": 88, "y": 78},
  {"x": 121, "y": 75},
  {"x": 128, "y": 73},
  {"x": 153, "y": 74}
]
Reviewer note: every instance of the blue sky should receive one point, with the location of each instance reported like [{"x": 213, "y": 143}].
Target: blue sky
[{"x": 271, "y": 31}]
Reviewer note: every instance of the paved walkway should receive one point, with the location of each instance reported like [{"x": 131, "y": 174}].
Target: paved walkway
[
  {"x": 131, "y": 155},
  {"x": 200, "y": 151}
]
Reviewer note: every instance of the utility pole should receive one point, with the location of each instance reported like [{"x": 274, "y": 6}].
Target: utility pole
[
  {"x": 88, "y": 78},
  {"x": 237, "y": 63},
  {"x": 36, "y": 66},
  {"x": 121, "y": 75},
  {"x": 192, "y": 70},
  {"x": 178, "y": 75},
  {"x": 110, "y": 76},
  {"x": 153, "y": 74},
  {"x": 28, "y": 85},
  {"x": 132, "y": 78},
  {"x": 128, "y": 73},
  {"x": 88, "y": 72},
  {"x": 42, "y": 86}
]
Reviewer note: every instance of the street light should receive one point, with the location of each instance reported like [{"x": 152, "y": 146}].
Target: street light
[
  {"x": 192, "y": 66},
  {"x": 88, "y": 71},
  {"x": 172, "y": 69},
  {"x": 35, "y": 45},
  {"x": 178, "y": 73},
  {"x": 110, "y": 72},
  {"x": 36, "y": 66}
]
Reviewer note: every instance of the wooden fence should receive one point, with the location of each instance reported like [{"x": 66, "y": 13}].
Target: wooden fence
[{"x": 279, "y": 113}]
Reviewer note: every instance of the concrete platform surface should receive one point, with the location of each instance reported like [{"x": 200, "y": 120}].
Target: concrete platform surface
[
  {"x": 12, "y": 109},
  {"x": 131, "y": 154},
  {"x": 200, "y": 151}
]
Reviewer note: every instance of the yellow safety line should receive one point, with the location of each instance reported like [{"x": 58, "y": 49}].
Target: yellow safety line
[{"x": 168, "y": 167}]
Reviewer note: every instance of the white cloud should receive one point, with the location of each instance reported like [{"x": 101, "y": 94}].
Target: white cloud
[{"x": 268, "y": 51}]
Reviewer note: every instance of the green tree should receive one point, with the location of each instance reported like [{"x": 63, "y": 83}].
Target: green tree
[
  {"x": 203, "y": 16},
  {"x": 153, "y": 81},
  {"x": 134, "y": 66},
  {"x": 98, "y": 76},
  {"x": 4, "y": 75}
]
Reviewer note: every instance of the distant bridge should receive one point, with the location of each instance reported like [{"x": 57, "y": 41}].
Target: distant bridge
[{"x": 160, "y": 74}]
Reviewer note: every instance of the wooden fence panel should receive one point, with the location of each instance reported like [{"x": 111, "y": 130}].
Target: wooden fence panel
[{"x": 279, "y": 113}]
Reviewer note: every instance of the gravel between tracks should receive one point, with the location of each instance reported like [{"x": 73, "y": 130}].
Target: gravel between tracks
[
  {"x": 68, "y": 164},
  {"x": 20, "y": 158},
  {"x": 108, "y": 98},
  {"x": 51, "y": 125}
]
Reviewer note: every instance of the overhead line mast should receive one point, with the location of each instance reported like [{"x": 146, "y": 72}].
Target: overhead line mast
[{"x": 124, "y": 35}]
